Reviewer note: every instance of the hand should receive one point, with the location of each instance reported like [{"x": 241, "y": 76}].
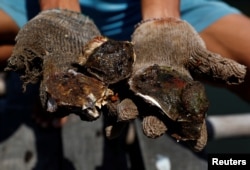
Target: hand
[
  {"x": 75, "y": 66},
  {"x": 169, "y": 53}
]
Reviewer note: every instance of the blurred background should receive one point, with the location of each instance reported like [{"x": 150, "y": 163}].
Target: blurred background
[{"x": 233, "y": 105}]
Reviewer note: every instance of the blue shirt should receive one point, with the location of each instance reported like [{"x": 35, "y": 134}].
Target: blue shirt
[{"x": 117, "y": 18}]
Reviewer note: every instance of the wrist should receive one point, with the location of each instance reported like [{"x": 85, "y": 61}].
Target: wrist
[
  {"x": 160, "y": 9},
  {"x": 163, "y": 19},
  {"x": 72, "y": 5},
  {"x": 161, "y": 14}
]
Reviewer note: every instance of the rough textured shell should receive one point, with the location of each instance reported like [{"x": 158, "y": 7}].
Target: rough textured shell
[{"x": 160, "y": 86}]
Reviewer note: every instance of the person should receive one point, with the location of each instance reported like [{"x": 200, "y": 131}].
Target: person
[{"x": 223, "y": 28}]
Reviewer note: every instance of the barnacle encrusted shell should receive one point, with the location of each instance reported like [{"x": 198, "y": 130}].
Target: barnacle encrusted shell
[
  {"x": 182, "y": 102},
  {"x": 163, "y": 86},
  {"x": 111, "y": 62}
]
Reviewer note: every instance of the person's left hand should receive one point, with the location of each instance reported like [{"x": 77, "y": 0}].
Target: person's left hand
[{"x": 169, "y": 53}]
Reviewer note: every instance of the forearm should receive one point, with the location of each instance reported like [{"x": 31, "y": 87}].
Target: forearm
[
  {"x": 62, "y": 4},
  {"x": 160, "y": 8}
]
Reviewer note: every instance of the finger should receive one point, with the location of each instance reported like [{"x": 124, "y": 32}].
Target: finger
[
  {"x": 153, "y": 127},
  {"x": 127, "y": 110},
  {"x": 215, "y": 67}
]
